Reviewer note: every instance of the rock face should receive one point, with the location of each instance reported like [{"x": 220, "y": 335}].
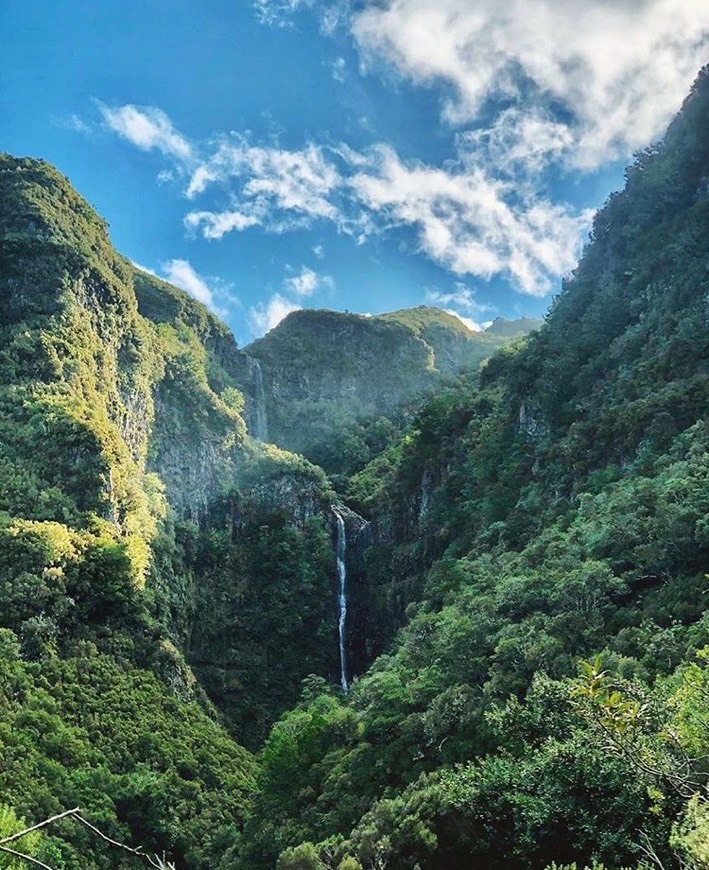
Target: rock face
[{"x": 333, "y": 381}]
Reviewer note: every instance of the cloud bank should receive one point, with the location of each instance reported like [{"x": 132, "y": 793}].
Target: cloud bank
[
  {"x": 617, "y": 70},
  {"x": 466, "y": 216},
  {"x": 527, "y": 89}
]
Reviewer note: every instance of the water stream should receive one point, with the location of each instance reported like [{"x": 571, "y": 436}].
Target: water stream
[
  {"x": 261, "y": 421},
  {"x": 342, "y": 598}
]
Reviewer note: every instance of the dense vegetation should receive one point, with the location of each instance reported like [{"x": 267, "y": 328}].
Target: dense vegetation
[
  {"x": 530, "y": 596},
  {"x": 131, "y": 501},
  {"x": 340, "y": 387},
  {"x": 549, "y": 512}
]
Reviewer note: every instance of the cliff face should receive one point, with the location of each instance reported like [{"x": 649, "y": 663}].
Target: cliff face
[
  {"x": 80, "y": 364},
  {"x": 82, "y": 515},
  {"x": 125, "y": 411},
  {"x": 338, "y": 386}
]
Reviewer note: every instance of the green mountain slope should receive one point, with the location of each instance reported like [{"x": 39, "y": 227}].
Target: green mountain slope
[
  {"x": 338, "y": 385},
  {"x": 131, "y": 504},
  {"x": 551, "y": 510}
]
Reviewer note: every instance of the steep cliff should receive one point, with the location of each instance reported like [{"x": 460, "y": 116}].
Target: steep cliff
[
  {"x": 132, "y": 510},
  {"x": 338, "y": 386}
]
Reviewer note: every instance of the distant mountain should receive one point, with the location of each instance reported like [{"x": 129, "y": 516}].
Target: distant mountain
[
  {"x": 337, "y": 385},
  {"x": 513, "y": 328}
]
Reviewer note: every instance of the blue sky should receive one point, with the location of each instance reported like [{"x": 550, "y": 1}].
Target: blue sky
[{"x": 361, "y": 155}]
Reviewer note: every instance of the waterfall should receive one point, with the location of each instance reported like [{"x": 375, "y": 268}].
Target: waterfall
[
  {"x": 342, "y": 597},
  {"x": 260, "y": 421}
]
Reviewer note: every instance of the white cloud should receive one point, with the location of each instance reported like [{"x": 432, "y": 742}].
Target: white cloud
[
  {"x": 461, "y": 296},
  {"x": 76, "y": 123},
  {"x": 468, "y": 216},
  {"x": 473, "y": 223},
  {"x": 266, "y": 315},
  {"x": 147, "y": 127},
  {"x": 469, "y": 322},
  {"x": 619, "y": 69},
  {"x": 215, "y": 225},
  {"x": 465, "y": 218},
  {"x": 144, "y": 269},
  {"x": 278, "y": 13},
  {"x": 265, "y": 181},
  {"x": 319, "y": 252},
  {"x": 338, "y": 68},
  {"x": 182, "y": 274},
  {"x": 518, "y": 142},
  {"x": 307, "y": 282}
]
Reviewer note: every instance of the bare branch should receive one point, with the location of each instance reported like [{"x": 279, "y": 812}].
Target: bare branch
[
  {"x": 139, "y": 851},
  {"x": 154, "y": 861},
  {"x": 36, "y": 827},
  {"x": 25, "y": 857}
]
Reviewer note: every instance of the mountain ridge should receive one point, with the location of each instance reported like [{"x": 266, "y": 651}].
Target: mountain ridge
[{"x": 338, "y": 386}]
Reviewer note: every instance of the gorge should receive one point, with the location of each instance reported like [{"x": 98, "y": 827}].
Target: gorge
[{"x": 372, "y": 592}]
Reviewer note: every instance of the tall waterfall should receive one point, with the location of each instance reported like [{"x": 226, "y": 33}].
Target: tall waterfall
[
  {"x": 260, "y": 432},
  {"x": 342, "y": 598}
]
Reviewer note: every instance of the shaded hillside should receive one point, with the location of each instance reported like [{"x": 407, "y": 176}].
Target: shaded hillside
[
  {"x": 338, "y": 385},
  {"x": 553, "y": 509}
]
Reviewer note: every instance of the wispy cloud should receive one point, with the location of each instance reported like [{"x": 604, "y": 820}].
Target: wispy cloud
[
  {"x": 266, "y": 315},
  {"x": 466, "y": 215},
  {"x": 270, "y": 186},
  {"x": 215, "y": 225},
  {"x": 461, "y": 303},
  {"x": 147, "y": 128},
  {"x": 339, "y": 69},
  {"x": 468, "y": 321},
  {"x": 617, "y": 70},
  {"x": 461, "y": 296},
  {"x": 279, "y": 13},
  {"x": 474, "y": 223},
  {"x": 74, "y": 122},
  {"x": 300, "y": 286},
  {"x": 182, "y": 274}
]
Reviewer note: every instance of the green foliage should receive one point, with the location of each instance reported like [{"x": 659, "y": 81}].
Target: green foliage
[
  {"x": 144, "y": 765},
  {"x": 339, "y": 387},
  {"x": 551, "y": 509},
  {"x": 690, "y": 836},
  {"x": 30, "y": 844}
]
